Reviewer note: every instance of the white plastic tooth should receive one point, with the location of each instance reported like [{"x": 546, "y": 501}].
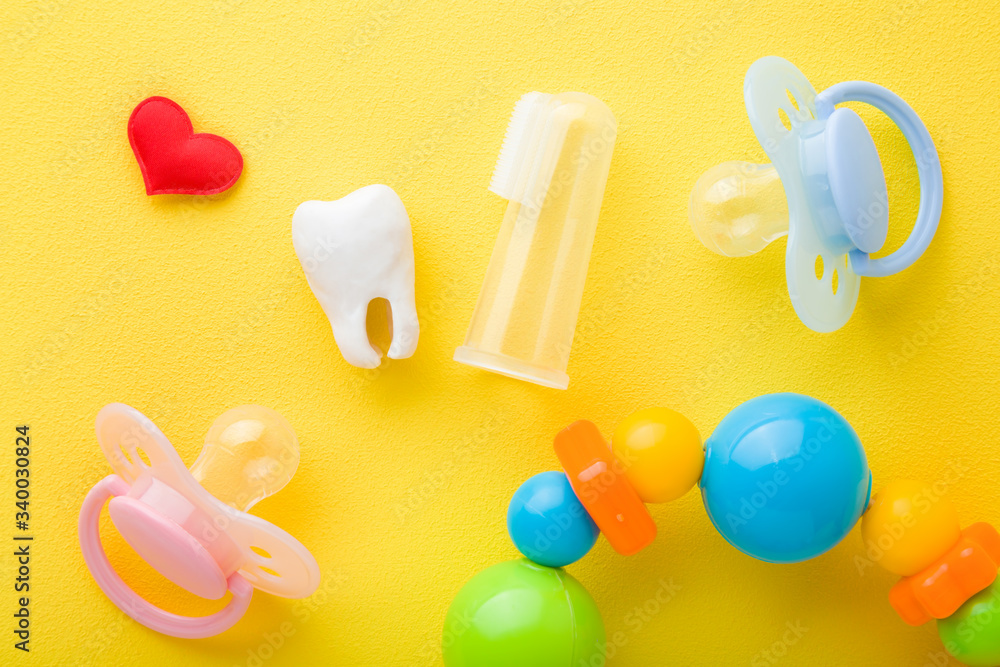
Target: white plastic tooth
[{"x": 353, "y": 250}]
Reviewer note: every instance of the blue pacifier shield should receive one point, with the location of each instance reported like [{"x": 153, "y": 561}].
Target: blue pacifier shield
[{"x": 798, "y": 149}]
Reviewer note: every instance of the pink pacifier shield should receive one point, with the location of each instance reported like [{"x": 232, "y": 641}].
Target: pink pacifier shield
[{"x": 168, "y": 548}]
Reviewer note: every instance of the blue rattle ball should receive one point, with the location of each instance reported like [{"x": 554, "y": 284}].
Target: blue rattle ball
[
  {"x": 785, "y": 478},
  {"x": 547, "y": 522}
]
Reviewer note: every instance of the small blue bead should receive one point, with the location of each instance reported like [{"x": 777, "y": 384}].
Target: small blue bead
[
  {"x": 547, "y": 522},
  {"x": 785, "y": 478}
]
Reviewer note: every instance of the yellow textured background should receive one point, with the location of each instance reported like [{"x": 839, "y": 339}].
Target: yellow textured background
[{"x": 184, "y": 307}]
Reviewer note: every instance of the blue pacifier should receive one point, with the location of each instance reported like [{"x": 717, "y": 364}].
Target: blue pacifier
[{"x": 825, "y": 188}]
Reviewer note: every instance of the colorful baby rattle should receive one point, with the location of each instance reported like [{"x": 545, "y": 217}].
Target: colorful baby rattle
[
  {"x": 191, "y": 526},
  {"x": 784, "y": 479}
]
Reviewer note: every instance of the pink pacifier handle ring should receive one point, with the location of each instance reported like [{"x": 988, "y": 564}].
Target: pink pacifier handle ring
[{"x": 187, "y": 627}]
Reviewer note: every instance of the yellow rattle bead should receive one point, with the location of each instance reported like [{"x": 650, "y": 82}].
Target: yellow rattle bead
[
  {"x": 661, "y": 453},
  {"x": 908, "y": 526}
]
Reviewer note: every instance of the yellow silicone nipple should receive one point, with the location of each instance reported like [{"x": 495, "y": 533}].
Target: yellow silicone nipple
[
  {"x": 250, "y": 453},
  {"x": 737, "y": 208}
]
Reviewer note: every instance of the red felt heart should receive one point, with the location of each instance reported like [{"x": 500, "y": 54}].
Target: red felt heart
[{"x": 175, "y": 160}]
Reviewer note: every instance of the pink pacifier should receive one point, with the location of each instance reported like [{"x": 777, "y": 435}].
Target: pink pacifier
[{"x": 192, "y": 526}]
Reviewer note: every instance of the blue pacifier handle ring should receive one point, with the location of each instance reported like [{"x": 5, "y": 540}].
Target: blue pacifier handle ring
[{"x": 928, "y": 169}]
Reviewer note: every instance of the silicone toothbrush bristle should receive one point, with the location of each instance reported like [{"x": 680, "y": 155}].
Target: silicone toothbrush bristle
[{"x": 517, "y": 144}]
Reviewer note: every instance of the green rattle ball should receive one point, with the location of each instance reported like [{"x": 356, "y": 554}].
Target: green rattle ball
[
  {"x": 525, "y": 614},
  {"x": 972, "y": 634}
]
